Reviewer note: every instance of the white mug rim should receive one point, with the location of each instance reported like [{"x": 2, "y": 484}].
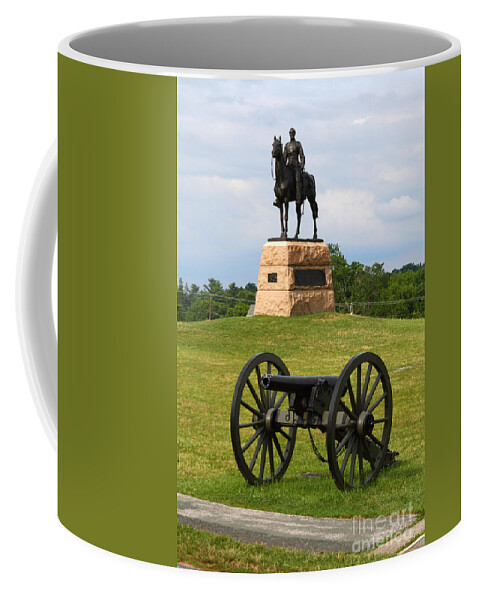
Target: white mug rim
[{"x": 65, "y": 48}]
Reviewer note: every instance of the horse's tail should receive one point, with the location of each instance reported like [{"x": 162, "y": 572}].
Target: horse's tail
[{"x": 312, "y": 197}]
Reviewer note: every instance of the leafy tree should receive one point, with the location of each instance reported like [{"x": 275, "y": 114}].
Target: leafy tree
[
  {"x": 213, "y": 286},
  {"x": 408, "y": 267},
  {"x": 199, "y": 309},
  {"x": 195, "y": 304},
  {"x": 232, "y": 289},
  {"x": 239, "y": 310},
  {"x": 374, "y": 292}
]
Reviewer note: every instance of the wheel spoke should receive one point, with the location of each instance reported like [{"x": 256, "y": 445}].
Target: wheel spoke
[
  {"x": 278, "y": 446},
  {"x": 351, "y": 397},
  {"x": 360, "y": 461},
  {"x": 346, "y": 456},
  {"x": 256, "y": 451},
  {"x": 281, "y": 400},
  {"x": 263, "y": 460},
  {"x": 243, "y": 425},
  {"x": 251, "y": 409},
  {"x": 371, "y": 393},
  {"x": 273, "y": 397},
  {"x": 353, "y": 462},
  {"x": 284, "y": 434},
  {"x": 375, "y": 440},
  {"x": 261, "y": 390},
  {"x": 376, "y": 404},
  {"x": 255, "y": 396},
  {"x": 382, "y": 420},
  {"x": 269, "y": 404},
  {"x": 344, "y": 441},
  {"x": 270, "y": 452},
  {"x": 366, "y": 384},
  {"x": 358, "y": 386},
  {"x": 251, "y": 440},
  {"x": 346, "y": 410}
]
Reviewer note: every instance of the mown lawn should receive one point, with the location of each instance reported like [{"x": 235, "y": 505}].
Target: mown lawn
[
  {"x": 210, "y": 552},
  {"x": 211, "y": 355}
]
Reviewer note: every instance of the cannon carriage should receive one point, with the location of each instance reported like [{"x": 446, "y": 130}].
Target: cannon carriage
[{"x": 353, "y": 409}]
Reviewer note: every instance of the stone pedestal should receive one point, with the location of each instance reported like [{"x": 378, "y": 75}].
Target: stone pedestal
[{"x": 294, "y": 279}]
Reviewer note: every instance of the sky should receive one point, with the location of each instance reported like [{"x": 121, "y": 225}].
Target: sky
[{"x": 363, "y": 138}]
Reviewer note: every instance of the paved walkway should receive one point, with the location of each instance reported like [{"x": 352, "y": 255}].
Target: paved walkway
[
  {"x": 404, "y": 540},
  {"x": 290, "y": 531}
]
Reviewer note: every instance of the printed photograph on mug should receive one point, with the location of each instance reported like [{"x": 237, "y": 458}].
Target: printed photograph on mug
[{"x": 261, "y": 295}]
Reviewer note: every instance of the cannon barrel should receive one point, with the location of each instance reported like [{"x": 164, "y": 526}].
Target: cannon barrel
[{"x": 302, "y": 385}]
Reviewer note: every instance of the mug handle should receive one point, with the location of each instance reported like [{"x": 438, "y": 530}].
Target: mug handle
[{"x": 35, "y": 322}]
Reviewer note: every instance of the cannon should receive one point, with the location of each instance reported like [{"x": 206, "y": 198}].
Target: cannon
[{"x": 354, "y": 410}]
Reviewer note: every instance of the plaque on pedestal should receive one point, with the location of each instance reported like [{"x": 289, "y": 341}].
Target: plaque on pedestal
[{"x": 294, "y": 279}]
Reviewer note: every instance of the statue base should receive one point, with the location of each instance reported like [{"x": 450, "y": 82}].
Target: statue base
[{"x": 294, "y": 278}]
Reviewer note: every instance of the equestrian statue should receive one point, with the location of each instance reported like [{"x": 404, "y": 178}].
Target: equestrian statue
[{"x": 292, "y": 183}]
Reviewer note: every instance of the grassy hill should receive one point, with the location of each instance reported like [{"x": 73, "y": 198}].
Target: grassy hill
[{"x": 211, "y": 355}]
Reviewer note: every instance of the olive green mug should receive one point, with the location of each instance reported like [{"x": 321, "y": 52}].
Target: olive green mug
[{"x": 164, "y": 149}]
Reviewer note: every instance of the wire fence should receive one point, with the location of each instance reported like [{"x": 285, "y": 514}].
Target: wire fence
[
  {"x": 203, "y": 305},
  {"x": 220, "y": 305},
  {"x": 211, "y": 295},
  {"x": 401, "y": 308}
]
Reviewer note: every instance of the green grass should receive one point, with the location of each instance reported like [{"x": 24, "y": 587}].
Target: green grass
[
  {"x": 210, "y": 552},
  {"x": 211, "y": 355}
]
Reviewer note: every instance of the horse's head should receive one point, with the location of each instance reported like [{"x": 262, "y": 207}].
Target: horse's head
[{"x": 277, "y": 148}]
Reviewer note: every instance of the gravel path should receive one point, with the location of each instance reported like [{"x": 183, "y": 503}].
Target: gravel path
[{"x": 290, "y": 531}]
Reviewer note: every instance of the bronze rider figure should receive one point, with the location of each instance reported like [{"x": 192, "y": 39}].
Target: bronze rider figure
[{"x": 294, "y": 157}]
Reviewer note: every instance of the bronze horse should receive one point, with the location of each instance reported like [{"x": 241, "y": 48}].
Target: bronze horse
[{"x": 285, "y": 191}]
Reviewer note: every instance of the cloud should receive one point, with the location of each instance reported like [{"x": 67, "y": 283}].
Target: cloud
[
  {"x": 219, "y": 186},
  {"x": 404, "y": 115},
  {"x": 398, "y": 209},
  {"x": 358, "y": 221},
  {"x": 400, "y": 174},
  {"x": 362, "y": 120},
  {"x": 220, "y": 218}
]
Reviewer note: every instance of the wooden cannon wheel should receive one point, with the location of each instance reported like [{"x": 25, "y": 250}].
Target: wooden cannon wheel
[
  {"x": 262, "y": 450},
  {"x": 359, "y": 422}
]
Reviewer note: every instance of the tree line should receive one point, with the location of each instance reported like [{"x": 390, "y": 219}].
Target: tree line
[
  {"x": 213, "y": 300},
  {"x": 361, "y": 289},
  {"x": 373, "y": 291}
]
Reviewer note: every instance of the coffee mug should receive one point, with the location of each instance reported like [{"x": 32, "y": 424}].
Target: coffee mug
[{"x": 182, "y": 147}]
